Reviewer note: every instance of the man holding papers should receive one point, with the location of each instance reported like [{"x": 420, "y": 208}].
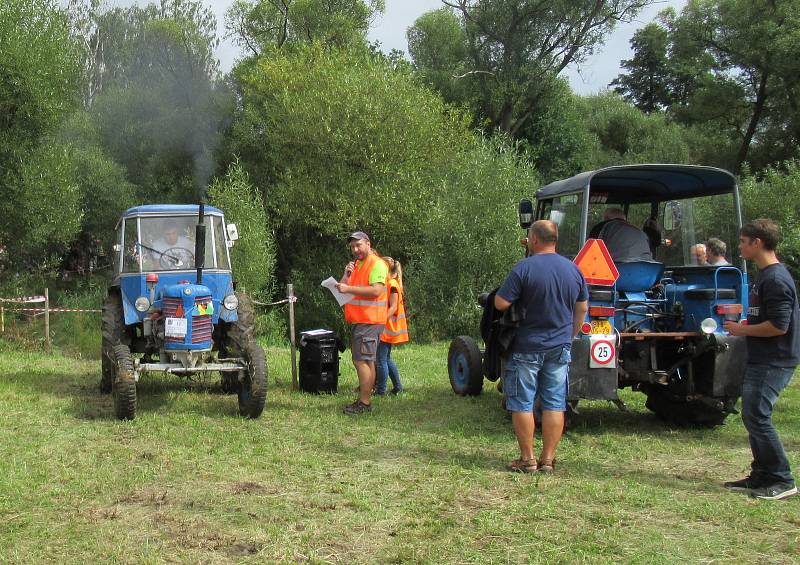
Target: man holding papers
[{"x": 365, "y": 279}]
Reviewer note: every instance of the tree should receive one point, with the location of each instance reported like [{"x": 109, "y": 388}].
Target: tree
[
  {"x": 338, "y": 140},
  {"x": 745, "y": 44},
  {"x": 646, "y": 82},
  {"x": 39, "y": 84},
  {"x": 271, "y": 24},
  {"x": 515, "y": 49}
]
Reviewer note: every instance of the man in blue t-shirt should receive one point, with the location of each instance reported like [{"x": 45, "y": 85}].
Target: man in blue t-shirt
[
  {"x": 554, "y": 294},
  {"x": 773, "y": 352}
]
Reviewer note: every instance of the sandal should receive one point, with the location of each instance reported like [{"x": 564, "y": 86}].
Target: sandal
[
  {"x": 522, "y": 466},
  {"x": 547, "y": 466}
]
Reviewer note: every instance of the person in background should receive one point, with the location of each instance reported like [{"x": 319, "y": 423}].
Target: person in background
[
  {"x": 365, "y": 279},
  {"x": 697, "y": 254},
  {"x": 715, "y": 252},
  {"x": 396, "y": 331},
  {"x": 773, "y": 352},
  {"x": 555, "y": 297}
]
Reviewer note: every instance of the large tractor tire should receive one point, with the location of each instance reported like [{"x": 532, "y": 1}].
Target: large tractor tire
[
  {"x": 253, "y": 388},
  {"x": 465, "y": 367},
  {"x": 700, "y": 412},
  {"x": 124, "y": 384},
  {"x": 113, "y": 334},
  {"x": 237, "y": 336}
]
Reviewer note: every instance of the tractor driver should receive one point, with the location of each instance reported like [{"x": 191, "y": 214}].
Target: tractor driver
[
  {"x": 172, "y": 250},
  {"x": 625, "y": 242}
]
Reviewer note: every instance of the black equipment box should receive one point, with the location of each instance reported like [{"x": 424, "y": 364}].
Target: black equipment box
[{"x": 319, "y": 361}]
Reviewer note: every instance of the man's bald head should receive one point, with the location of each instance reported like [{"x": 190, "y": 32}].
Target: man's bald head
[{"x": 545, "y": 231}]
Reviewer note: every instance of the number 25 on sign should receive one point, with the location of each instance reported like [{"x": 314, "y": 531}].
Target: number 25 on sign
[{"x": 602, "y": 352}]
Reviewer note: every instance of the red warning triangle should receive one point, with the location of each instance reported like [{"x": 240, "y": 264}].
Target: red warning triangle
[{"x": 596, "y": 264}]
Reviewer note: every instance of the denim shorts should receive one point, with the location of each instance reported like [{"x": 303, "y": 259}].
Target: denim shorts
[{"x": 543, "y": 375}]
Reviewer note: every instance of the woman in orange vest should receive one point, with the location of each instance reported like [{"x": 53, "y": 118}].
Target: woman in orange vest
[{"x": 395, "y": 333}]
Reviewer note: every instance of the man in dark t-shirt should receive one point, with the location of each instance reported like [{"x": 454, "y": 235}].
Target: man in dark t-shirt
[
  {"x": 554, "y": 294},
  {"x": 773, "y": 352}
]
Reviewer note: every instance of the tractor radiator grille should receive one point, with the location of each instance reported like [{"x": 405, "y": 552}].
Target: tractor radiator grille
[{"x": 202, "y": 326}]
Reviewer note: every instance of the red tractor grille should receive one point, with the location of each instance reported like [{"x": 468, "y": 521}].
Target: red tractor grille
[{"x": 202, "y": 326}]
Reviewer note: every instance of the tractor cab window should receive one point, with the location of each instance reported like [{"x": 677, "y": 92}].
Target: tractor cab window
[
  {"x": 699, "y": 232},
  {"x": 130, "y": 249},
  {"x": 220, "y": 245},
  {"x": 167, "y": 244},
  {"x": 565, "y": 211}
]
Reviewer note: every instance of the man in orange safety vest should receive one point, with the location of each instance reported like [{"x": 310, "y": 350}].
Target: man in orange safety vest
[{"x": 364, "y": 278}]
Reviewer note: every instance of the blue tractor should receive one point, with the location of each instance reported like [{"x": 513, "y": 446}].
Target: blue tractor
[
  {"x": 172, "y": 307},
  {"x": 658, "y": 328}
]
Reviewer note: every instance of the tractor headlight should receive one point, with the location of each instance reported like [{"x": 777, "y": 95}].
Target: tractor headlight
[
  {"x": 708, "y": 326},
  {"x": 230, "y": 302},
  {"x": 142, "y": 304}
]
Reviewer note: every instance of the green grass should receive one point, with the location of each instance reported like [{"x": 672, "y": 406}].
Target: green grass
[{"x": 419, "y": 480}]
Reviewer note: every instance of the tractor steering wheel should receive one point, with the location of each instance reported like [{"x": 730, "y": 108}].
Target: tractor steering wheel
[{"x": 176, "y": 258}]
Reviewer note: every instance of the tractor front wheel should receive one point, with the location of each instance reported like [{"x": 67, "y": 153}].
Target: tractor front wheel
[
  {"x": 465, "y": 366},
  {"x": 124, "y": 384},
  {"x": 253, "y": 388}
]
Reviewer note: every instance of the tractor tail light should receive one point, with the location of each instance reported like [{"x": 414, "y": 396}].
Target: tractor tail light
[
  {"x": 586, "y": 328},
  {"x": 601, "y": 311},
  {"x": 723, "y": 309}
]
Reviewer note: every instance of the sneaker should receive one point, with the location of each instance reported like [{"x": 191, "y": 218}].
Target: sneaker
[
  {"x": 396, "y": 391},
  {"x": 378, "y": 393},
  {"x": 777, "y": 491},
  {"x": 742, "y": 485},
  {"x": 357, "y": 408}
]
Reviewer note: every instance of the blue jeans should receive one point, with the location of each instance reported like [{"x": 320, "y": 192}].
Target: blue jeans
[
  {"x": 760, "y": 389},
  {"x": 386, "y": 367},
  {"x": 543, "y": 375}
]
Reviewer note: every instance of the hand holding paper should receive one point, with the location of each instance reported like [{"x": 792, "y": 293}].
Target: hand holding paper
[{"x": 342, "y": 298}]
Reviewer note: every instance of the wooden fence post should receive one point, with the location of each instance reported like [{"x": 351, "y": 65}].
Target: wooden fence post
[
  {"x": 290, "y": 296},
  {"x": 47, "y": 320}
]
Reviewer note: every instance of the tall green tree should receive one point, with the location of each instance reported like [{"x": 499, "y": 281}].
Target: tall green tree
[
  {"x": 260, "y": 25},
  {"x": 39, "y": 86},
  {"x": 646, "y": 82},
  {"x": 515, "y": 49}
]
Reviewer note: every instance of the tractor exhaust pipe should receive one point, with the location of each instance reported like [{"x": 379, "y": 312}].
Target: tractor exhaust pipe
[{"x": 200, "y": 243}]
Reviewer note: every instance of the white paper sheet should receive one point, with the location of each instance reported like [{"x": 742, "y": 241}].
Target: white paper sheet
[{"x": 342, "y": 298}]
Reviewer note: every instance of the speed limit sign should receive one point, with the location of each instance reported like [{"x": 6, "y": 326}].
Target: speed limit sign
[{"x": 602, "y": 352}]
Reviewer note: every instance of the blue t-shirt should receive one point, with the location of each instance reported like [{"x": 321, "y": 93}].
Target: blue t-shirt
[{"x": 548, "y": 286}]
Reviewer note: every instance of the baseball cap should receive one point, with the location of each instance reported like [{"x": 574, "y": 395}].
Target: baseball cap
[{"x": 358, "y": 235}]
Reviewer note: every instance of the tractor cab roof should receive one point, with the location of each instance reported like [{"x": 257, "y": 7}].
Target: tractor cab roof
[
  {"x": 629, "y": 184},
  {"x": 168, "y": 210}
]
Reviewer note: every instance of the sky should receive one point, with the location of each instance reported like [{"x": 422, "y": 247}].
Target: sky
[{"x": 592, "y": 76}]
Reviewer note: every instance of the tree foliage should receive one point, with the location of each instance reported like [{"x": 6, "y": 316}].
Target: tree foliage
[
  {"x": 730, "y": 65},
  {"x": 514, "y": 49},
  {"x": 261, "y": 25}
]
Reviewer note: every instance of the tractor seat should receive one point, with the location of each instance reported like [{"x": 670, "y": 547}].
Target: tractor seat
[{"x": 638, "y": 276}]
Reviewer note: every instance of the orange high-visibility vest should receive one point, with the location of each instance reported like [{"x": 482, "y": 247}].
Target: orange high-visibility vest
[
  {"x": 396, "y": 330},
  {"x": 365, "y": 309}
]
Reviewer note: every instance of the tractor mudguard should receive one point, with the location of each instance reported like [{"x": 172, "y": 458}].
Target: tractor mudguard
[
  {"x": 729, "y": 364},
  {"x": 586, "y": 383}
]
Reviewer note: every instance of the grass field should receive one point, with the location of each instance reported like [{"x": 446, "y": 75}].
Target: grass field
[{"x": 419, "y": 480}]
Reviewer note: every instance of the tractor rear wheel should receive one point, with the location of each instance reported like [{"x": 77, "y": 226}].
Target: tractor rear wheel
[
  {"x": 113, "y": 333},
  {"x": 253, "y": 388},
  {"x": 124, "y": 384},
  {"x": 465, "y": 366}
]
